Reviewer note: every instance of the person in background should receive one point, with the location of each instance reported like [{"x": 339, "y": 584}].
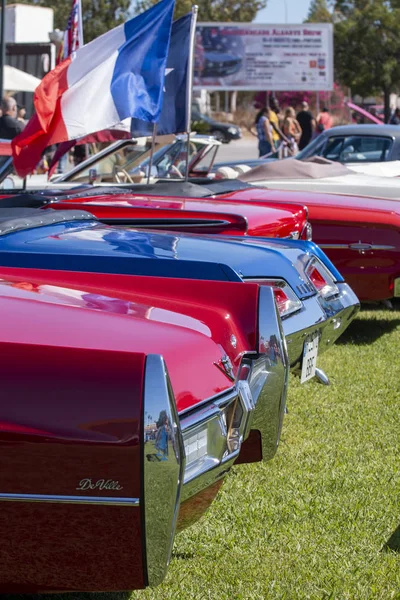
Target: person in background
[
  {"x": 395, "y": 118},
  {"x": 307, "y": 124},
  {"x": 292, "y": 130},
  {"x": 324, "y": 121},
  {"x": 9, "y": 124},
  {"x": 79, "y": 154},
  {"x": 264, "y": 131},
  {"x": 277, "y": 133},
  {"x": 21, "y": 115}
]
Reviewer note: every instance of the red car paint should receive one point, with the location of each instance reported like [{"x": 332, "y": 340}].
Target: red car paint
[
  {"x": 340, "y": 224},
  {"x": 261, "y": 219},
  {"x": 73, "y": 350},
  {"x": 212, "y": 311}
]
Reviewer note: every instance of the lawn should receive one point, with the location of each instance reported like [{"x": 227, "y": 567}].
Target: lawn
[{"x": 322, "y": 520}]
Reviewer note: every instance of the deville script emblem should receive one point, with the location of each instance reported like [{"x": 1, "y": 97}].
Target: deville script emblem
[{"x": 100, "y": 484}]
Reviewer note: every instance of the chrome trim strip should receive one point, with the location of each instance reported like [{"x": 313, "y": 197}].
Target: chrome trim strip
[
  {"x": 358, "y": 247},
  {"x": 271, "y": 403},
  {"x": 218, "y": 452},
  {"x": 214, "y": 399},
  {"x": 163, "y": 467},
  {"x": 212, "y": 403},
  {"x": 104, "y": 500}
]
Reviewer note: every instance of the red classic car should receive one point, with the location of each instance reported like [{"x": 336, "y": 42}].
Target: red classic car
[
  {"x": 360, "y": 235},
  {"x": 147, "y": 208},
  {"x": 126, "y": 404}
]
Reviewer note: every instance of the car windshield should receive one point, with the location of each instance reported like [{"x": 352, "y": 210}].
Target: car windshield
[
  {"x": 127, "y": 163},
  {"x": 313, "y": 149},
  {"x": 112, "y": 167},
  {"x": 350, "y": 149},
  {"x": 130, "y": 163}
]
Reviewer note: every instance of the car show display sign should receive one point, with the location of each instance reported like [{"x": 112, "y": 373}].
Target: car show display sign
[{"x": 250, "y": 56}]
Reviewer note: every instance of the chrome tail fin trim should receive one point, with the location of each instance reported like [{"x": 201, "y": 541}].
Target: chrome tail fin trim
[{"x": 164, "y": 463}]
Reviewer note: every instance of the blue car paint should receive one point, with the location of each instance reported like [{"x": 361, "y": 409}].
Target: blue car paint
[
  {"x": 92, "y": 246},
  {"x": 305, "y": 246}
]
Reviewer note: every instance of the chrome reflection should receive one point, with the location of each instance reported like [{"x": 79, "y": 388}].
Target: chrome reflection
[
  {"x": 164, "y": 463},
  {"x": 213, "y": 435},
  {"x": 269, "y": 374}
]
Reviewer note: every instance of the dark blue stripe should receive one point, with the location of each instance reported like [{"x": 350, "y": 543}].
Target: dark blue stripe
[{"x": 120, "y": 266}]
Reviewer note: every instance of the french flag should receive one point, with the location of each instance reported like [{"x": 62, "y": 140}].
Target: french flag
[{"x": 116, "y": 76}]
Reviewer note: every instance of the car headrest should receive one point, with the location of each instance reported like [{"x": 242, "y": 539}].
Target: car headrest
[
  {"x": 226, "y": 173},
  {"x": 240, "y": 169}
]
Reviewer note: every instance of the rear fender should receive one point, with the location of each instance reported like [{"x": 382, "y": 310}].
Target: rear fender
[{"x": 70, "y": 485}]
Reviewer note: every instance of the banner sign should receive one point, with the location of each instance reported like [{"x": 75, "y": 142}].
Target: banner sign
[{"x": 250, "y": 56}]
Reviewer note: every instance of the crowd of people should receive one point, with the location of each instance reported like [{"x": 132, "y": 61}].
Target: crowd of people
[{"x": 285, "y": 130}]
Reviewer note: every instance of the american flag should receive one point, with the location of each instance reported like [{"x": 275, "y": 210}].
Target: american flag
[{"x": 73, "y": 35}]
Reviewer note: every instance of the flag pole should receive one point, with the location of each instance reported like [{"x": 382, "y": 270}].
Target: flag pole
[
  {"x": 153, "y": 142},
  {"x": 2, "y": 47},
  {"x": 189, "y": 87},
  {"x": 80, "y": 25}
]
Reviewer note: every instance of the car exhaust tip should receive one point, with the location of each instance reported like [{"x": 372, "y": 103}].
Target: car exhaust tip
[{"x": 322, "y": 377}]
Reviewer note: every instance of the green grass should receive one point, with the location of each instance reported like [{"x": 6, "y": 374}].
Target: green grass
[
  {"x": 322, "y": 520},
  {"x": 316, "y": 521}
]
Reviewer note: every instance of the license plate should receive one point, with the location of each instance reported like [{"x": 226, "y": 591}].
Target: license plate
[{"x": 310, "y": 353}]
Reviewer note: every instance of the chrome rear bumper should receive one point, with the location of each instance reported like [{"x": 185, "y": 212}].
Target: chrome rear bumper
[
  {"x": 260, "y": 393},
  {"x": 198, "y": 447},
  {"x": 329, "y": 318}
]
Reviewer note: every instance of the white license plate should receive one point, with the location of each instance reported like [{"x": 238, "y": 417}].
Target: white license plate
[{"x": 310, "y": 353}]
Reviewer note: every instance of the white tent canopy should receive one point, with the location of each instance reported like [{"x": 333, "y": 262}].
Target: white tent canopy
[{"x": 19, "y": 81}]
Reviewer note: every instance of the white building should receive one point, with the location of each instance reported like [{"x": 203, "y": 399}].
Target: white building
[{"x": 28, "y": 24}]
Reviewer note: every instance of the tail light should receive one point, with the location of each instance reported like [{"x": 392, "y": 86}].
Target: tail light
[
  {"x": 306, "y": 232},
  {"x": 286, "y": 299},
  {"x": 321, "y": 278}
]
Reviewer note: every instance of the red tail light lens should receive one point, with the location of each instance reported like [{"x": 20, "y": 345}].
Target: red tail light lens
[
  {"x": 306, "y": 233},
  {"x": 321, "y": 279},
  {"x": 281, "y": 299},
  {"x": 316, "y": 279},
  {"x": 286, "y": 300}
]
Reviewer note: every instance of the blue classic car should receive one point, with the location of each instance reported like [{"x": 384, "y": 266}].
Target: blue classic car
[{"x": 316, "y": 305}]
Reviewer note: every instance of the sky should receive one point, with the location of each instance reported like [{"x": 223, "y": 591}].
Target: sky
[{"x": 276, "y": 13}]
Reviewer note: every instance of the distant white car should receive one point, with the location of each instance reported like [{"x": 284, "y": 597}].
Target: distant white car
[{"x": 383, "y": 169}]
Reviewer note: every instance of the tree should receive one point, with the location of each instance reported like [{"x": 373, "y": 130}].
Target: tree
[
  {"x": 367, "y": 47},
  {"x": 319, "y": 12},
  {"x": 215, "y": 10},
  {"x": 98, "y": 16}
]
